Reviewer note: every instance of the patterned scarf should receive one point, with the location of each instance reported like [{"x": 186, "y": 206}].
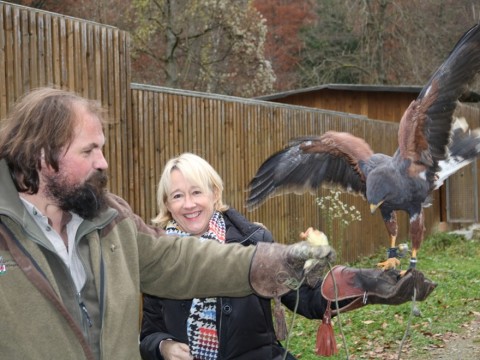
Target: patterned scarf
[{"x": 201, "y": 323}]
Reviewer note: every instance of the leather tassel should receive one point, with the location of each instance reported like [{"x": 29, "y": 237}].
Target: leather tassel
[
  {"x": 280, "y": 324},
  {"x": 326, "y": 344}
]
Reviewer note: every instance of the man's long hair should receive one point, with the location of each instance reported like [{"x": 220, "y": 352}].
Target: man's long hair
[{"x": 41, "y": 125}]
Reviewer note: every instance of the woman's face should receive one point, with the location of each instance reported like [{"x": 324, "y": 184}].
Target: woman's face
[{"x": 189, "y": 205}]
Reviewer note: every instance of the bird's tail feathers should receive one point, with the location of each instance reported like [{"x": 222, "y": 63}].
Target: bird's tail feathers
[
  {"x": 463, "y": 149},
  {"x": 428, "y": 201}
]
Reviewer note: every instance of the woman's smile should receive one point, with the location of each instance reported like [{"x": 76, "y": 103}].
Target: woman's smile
[
  {"x": 192, "y": 215},
  {"x": 186, "y": 196}
]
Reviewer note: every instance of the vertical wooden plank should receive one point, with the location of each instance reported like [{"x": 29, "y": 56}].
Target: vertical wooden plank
[
  {"x": 157, "y": 121},
  {"x": 124, "y": 106},
  {"x": 63, "y": 59},
  {"x": 33, "y": 50},
  {"x": 70, "y": 41},
  {"x": 162, "y": 135},
  {"x": 110, "y": 69},
  {"x": 96, "y": 49},
  {"x": 56, "y": 49},
  {"x": 116, "y": 107},
  {"x": 91, "y": 79},
  {"x": 149, "y": 158},
  {"x": 133, "y": 142},
  {"x": 109, "y": 101},
  {"x": 82, "y": 59},
  {"x": 104, "y": 65},
  {"x": 24, "y": 59},
  {"x": 48, "y": 50},
  {"x": 3, "y": 64},
  {"x": 16, "y": 53},
  {"x": 137, "y": 150},
  {"x": 76, "y": 59},
  {"x": 141, "y": 159}
]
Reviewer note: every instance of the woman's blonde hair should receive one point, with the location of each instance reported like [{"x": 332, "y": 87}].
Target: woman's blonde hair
[{"x": 196, "y": 170}]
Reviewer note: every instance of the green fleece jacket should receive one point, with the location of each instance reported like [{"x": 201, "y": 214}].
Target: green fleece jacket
[{"x": 42, "y": 316}]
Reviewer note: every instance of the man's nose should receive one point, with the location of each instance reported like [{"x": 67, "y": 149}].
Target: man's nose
[{"x": 101, "y": 163}]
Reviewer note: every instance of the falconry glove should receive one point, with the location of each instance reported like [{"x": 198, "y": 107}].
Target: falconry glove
[
  {"x": 277, "y": 269},
  {"x": 374, "y": 286}
]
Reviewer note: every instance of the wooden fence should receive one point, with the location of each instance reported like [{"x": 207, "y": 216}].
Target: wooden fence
[{"x": 151, "y": 124}]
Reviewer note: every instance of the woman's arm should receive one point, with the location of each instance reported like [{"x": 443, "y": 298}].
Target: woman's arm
[{"x": 153, "y": 329}]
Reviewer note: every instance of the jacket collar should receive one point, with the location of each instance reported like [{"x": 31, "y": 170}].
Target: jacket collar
[{"x": 239, "y": 229}]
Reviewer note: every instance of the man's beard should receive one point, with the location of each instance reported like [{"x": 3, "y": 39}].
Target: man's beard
[{"x": 86, "y": 200}]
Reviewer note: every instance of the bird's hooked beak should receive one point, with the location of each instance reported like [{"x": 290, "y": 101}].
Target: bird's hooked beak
[{"x": 374, "y": 207}]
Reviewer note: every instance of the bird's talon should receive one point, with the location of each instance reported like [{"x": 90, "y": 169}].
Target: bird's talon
[
  {"x": 388, "y": 264},
  {"x": 402, "y": 273}
]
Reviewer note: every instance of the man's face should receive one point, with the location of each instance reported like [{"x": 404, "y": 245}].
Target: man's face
[{"x": 79, "y": 185}]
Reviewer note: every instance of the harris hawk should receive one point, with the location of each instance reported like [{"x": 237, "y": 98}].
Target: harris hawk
[{"x": 431, "y": 146}]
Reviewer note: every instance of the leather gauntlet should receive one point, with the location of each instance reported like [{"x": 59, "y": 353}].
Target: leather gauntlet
[
  {"x": 276, "y": 269},
  {"x": 374, "y": 286}
]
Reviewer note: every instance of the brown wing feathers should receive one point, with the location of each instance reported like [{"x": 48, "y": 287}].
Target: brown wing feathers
[{"x": 310, "y": 162}]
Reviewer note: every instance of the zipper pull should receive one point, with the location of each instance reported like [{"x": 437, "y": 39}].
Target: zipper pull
[{"x": 84, "y": 310}]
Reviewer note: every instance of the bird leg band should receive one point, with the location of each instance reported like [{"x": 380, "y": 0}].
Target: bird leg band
[{"x": 392, "y": 252}]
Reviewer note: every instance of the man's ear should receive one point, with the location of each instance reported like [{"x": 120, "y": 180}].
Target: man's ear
[{"x": 43, "y": 164}]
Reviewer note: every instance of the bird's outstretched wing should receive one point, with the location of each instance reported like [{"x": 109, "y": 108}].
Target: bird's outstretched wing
[
  {"x": 310, "y": 162},
  {"x": 425, "y": 128}
]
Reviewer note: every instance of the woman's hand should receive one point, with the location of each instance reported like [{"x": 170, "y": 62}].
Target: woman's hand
[{"x": 174, "y": 350}]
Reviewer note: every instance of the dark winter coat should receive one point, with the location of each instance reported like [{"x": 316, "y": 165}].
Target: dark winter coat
[{"x": 244, "y": 325}]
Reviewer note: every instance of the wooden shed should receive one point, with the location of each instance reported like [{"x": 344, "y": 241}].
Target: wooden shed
[{"x": 377, "y": 102}]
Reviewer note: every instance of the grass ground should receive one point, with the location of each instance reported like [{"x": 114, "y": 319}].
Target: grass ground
[{"x": 376, "y": 331}]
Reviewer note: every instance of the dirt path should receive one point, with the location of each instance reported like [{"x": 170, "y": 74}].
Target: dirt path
[{"x": 462, "y": 346}]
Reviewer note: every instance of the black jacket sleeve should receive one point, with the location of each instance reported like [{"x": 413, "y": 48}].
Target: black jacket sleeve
[
  {"x": 311, "y": 303},
  {"x": 153, "y": 329}
]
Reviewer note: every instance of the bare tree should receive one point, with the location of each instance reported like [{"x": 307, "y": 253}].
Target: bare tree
[
  {"x": 382, "y": 41},
  {"x": 207, "y": 45}
]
